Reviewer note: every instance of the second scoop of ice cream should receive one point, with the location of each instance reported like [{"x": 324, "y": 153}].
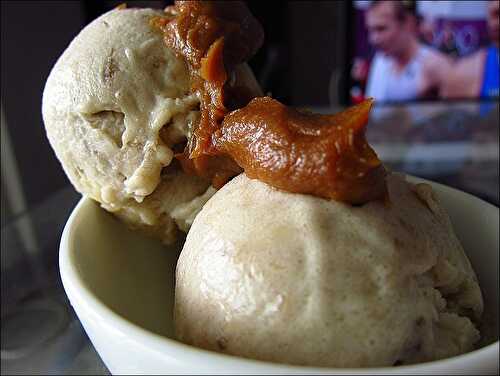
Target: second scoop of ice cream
[{"x": 297, "y": 279}]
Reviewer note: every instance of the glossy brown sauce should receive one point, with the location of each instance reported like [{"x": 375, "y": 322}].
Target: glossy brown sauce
[
  {"x": 321, "y": 155},
  {"x": 212, "y": 37}
]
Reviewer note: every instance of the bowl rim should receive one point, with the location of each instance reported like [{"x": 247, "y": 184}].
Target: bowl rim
[{"x": 81, "y": 295}]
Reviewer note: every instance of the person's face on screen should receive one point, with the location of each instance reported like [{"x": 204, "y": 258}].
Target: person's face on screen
[
  {"x": 493, "y": 23},
  {"x": 385, "y": 31}
]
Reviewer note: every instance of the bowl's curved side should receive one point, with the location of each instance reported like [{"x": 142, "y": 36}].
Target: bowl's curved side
[{"x": 127, "y": 347}]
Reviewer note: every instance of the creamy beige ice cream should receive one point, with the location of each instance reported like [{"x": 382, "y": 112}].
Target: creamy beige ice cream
[
  {"x": 114, "y": 106},
  {"x": 297, "y": 279},
  {"x": 264, "y": 273}
]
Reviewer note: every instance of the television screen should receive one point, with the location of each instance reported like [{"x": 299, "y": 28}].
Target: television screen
[{"x": 424, "y": 50}]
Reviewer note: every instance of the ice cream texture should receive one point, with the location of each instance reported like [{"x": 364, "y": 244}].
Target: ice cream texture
[
  {"x": 297, "y": 279},
  {"x": 116, "y": 106}
]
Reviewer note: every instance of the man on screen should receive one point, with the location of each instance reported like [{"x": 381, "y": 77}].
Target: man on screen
[
  {"x": 402, "y": 68},
  {"x": 477, "y": 76}
]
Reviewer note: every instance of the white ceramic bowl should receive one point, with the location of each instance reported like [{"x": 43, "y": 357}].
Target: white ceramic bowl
[{"x": 121, "y": 286}]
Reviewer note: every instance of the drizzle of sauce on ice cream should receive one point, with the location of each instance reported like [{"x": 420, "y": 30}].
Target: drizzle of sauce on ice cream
[{"x": 322, "y": 155}]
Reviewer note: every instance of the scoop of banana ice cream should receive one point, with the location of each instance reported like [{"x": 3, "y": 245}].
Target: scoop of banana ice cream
[
  {"x": 115, "y": 105},
  {"x": 297, "y": 279}
]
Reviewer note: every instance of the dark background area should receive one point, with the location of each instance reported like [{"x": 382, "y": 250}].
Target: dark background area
[{"x": 304, "y": 46}]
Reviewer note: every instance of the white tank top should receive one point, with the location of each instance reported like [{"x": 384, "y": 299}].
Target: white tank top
[{"x": 385, "y": 83}]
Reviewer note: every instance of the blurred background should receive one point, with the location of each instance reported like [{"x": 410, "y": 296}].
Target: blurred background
[{"x": 432, "y": 66}]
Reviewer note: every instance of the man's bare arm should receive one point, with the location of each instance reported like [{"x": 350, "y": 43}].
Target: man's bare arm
[
  {"x": 437, "y": 66},
  {"x": 465, "y": 77}
]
